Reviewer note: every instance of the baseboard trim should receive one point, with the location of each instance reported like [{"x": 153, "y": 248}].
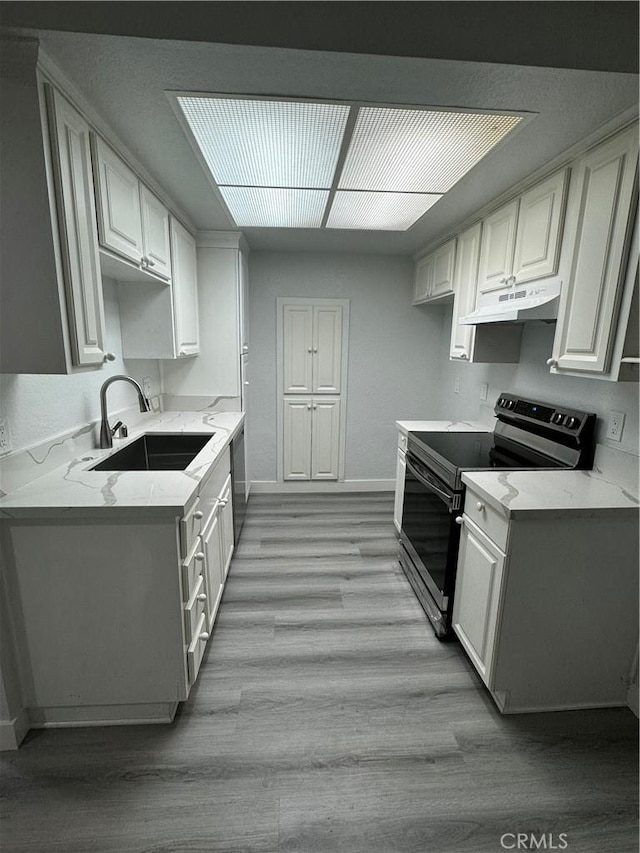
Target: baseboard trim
[
  {"x": 102, "y": 715},
  {"x": 321, "y": 486},
  {"x": 13, "y": 732}
]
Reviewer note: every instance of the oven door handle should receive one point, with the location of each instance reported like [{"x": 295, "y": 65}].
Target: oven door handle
[{"x": 428, "y": 482}]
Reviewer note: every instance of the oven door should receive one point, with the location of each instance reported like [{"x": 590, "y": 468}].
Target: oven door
[{"x": 429, "y": 533}]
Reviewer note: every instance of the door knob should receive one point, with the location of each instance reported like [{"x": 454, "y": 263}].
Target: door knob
[
  {"x": 460, "y": 519},
  {"x": 552, "y": 362}
]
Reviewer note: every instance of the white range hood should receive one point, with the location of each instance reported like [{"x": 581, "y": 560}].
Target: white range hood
[{"x": 534, "y": 301}]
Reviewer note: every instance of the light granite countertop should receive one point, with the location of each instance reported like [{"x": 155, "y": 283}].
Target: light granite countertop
[
  {"x": 442, "y": 426},
  {"x": 75, "y": 490},
  {"x": 517, "y": 492}
]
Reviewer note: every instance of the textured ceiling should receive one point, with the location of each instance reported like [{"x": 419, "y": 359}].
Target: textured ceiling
[{"x": 125, "y": 79}]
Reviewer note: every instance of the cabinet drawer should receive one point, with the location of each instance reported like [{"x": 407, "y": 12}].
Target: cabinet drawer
[
  {"x": 213, "y": 485},
  {"x": 194, "y": 609},
  {"x": 196, "y": 649},
  {"x": 190, "y": 526},
  {"x": 190, "y": 570},
  {"x": 487, "y": 518}
]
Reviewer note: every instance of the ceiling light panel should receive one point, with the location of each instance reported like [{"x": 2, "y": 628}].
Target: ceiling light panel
[
  {"x": 418, "y": 150},
  {"x": 372, "y": 211},
  {"x": 267, "y": 143},
  {"x": 268, "y": 207}
]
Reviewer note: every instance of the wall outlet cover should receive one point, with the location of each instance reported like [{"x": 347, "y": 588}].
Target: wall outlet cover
[
  {"x": 5, "y": 436},
  {"x": 146, "y": 386},
  {"x": 484, "y": 391},
  {"x": 615, "y": 425},
  {"x": 456, "y": 385}
]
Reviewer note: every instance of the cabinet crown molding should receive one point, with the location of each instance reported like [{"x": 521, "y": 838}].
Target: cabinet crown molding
[{"x": 221, "y": 240}]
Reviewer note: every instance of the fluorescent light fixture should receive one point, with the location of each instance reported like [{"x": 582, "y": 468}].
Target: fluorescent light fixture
[
  {"x": 268, "y": 207},
  {"x": 418, "y": 150},
  {"x": 314, "y": 164},
  {"x": 378, "y": 211},
  {"x": 267, "y": 143}
]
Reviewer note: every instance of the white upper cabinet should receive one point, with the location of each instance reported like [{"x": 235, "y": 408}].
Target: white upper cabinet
[
  {"x": 595, "y": 304},
  {"x": 498, "y": 243},
  {"x": 312, "y": 349},
  {"x": 434, "y": 274},
  {"x": 155, "y": 233},
  {"x": 539, "y": 232},
  {"x": 133, "y": 222},
  {"x": 466, "y": 277},
  {"x": 79, "y": 239},
  {"x": 185, "y": 290}
]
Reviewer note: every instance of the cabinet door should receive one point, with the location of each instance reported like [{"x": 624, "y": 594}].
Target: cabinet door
[
  {"x": 214, "y": 570},
  {"x": 423, "y": 279},
  {"x": 297, "y": 438},
  {"x": 185, "y": 290},
  {"x": 401, "y": 467},
  {"x": 155, "y": 234},
  {"x": 477, "y": 598},
  {"x": 466, "y": 279},
  {"x": 226, "y": 520},
  {"x": 443, "y": 268},
  {"x": 298, "y": 349},
  {"x": 119, "y": 215},
  {"x": 325, "y": 439},
  {"x": 79, "y": 238},
  {"x": 604, "y": 198},
  {"x": 540, "y": 220},
  {"x": 496, "y": 251},
  {"x": 327, "y": 349}
]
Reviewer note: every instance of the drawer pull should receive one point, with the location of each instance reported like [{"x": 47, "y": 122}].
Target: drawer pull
[
  {"x": 199, "y": 556},
  {"x": 204, "y": 636},
  {"x": 480, "y": 506},
  {"x": 198, "y": 514},
  {"x": 224, "y": 501},
  {"x": 202, "y": 596},
  {"x": 459, "y": 519}
]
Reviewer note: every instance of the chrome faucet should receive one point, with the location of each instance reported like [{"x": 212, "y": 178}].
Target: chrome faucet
[{"x": 106, "y": 433}]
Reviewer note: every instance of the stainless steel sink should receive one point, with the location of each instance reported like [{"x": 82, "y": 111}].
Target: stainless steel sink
[{"x": 156, "y": 452}]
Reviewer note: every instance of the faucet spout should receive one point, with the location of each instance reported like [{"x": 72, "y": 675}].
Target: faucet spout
[{"x": 106, "y": 435}]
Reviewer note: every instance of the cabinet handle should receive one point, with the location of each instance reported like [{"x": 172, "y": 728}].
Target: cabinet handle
[
  {"x": 151, "y": 262},
  {"x": 199, "y": 556},
  {"x": 143, "y": 263},
  {"x": 109, "y": 356},
  {"x": 315, "y": 406},
  {"x": 245, "y": 347},
  {"x": 310, "y": 349},
  {"x": 198, "y": 514},
  {"x": 202, "y": 596},
  {"x": 460, "y": 519},
  {"x": 315, "y": 349},
  {"x": 503, "y": 280},
  {"x": 480, "y": 506},
  {"x": 246, "y": 382},
  {"x": 552, "y": 362},
  {"x": 204, "y": 636},
  {"x": 512, "y": 279},
  {"x": 308, "y": 405},
  {"x": 224, "y": 501},
  {"x": 463, "y": 355}
]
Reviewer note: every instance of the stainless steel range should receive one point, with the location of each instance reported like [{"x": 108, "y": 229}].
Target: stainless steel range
[{"x": 529, "y": 435}]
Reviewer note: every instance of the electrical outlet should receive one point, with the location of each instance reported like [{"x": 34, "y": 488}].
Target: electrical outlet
[
  {"x": 146, "y": 387},
  {"x": 615, "y": 426},
  {"x": 5, "y": 436},
  {"x": 456, "y": 385},
  {"x": 484, "y": 391}
]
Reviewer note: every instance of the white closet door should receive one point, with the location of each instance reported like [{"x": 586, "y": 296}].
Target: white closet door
[
  {"x": 298, "y": 349},
  {"x": 327, "y": 349},
  {"x": 325, "y": 438},
  {"x": 297, "y": 438},
  {"x": 83, "y": 282}
]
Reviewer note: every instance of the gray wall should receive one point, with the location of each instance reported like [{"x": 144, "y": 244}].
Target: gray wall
[
  {"x": 393, "y": 352},
  {"x": 40, "y": 407},
  {"x": 531, "y": 377}
]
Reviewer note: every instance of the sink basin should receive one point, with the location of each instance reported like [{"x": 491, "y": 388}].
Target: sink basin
[{"x": 156, "y": 452}]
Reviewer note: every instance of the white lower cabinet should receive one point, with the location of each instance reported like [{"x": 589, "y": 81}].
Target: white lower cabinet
[
  {"x": 311, "y": 434},
  {"x": 401, "y": 468},
  {"x": 112, "y": 626},
  {"x": 545, "y": 604}
]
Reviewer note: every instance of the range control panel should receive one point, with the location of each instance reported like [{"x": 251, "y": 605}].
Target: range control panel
[{"x": 515, "y": 408}]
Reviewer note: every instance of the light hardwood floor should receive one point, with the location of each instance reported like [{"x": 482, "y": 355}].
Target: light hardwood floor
[{"x": 327, "y": 717}]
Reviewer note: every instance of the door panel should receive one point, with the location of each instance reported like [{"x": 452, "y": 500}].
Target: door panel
[
  {"x": 443, "y": 268},
  {"x": 214, "y": 570},
  {"x": 466, "y": 279},
  {"x": 185, "y": 290},
  {"x": 155, "y": 227},
  {"x": 119, "y": 209},
  {"x": 297, "y": 438},
  {"x": 540, "y": 221},
  {"x": 327, "y": 349},
  {"x": 298, "y": 349},
  {"x": 496, "y": 253},
  {"x": 325, "y": 445}
]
